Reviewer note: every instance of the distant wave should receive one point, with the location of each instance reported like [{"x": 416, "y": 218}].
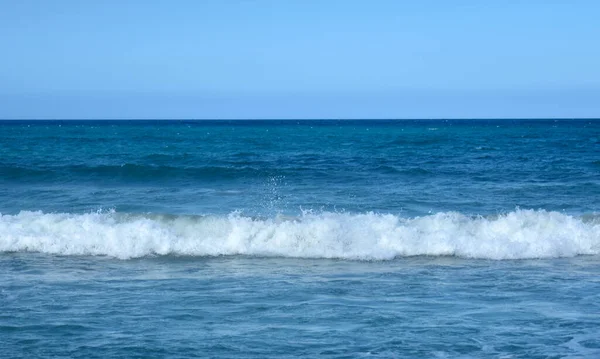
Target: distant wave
[
  {"x": 369, "y": 236},
  {"x": 126, "y": 171},
  {"x": 145, "y": 172}
]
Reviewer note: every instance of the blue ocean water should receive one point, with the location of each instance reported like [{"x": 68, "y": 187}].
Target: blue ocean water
[{"x": 273, "y": 239}]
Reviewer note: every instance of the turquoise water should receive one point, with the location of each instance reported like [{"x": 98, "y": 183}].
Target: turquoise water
[{"x": 462, "y": 238}]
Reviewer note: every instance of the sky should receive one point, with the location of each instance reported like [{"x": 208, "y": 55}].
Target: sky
[{"x": 213, "y": 59}]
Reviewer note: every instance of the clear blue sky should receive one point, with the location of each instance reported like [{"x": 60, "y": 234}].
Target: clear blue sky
[{"x": 299, "y": 59}]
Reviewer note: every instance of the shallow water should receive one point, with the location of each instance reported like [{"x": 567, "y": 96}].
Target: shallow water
[{"x": 283, "y": 307}]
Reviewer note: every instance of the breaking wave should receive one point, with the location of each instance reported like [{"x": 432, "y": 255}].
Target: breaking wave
[{"x": 519, "y": 234}]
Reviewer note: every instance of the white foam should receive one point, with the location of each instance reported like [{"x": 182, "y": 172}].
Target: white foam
[{"x": 368, "y": 236}]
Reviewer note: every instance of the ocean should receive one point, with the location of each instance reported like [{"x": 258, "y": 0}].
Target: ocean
[{"x": 316, "y": 239}]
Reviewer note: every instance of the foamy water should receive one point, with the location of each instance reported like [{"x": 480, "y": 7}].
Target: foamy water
[{"x": 516, "y": 235}]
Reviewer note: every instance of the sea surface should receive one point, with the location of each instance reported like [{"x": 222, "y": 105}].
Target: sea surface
[{"x": 315, "y": 239}]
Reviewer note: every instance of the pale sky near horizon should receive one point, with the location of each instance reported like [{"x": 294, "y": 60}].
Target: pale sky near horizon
[{"x": 299, "y": 59}]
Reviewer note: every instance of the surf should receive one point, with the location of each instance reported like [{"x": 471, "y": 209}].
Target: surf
[{"x": 520, "y": 234}]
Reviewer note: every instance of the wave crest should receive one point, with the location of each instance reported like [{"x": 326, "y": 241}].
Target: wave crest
[{"x": 516, "y": 235}]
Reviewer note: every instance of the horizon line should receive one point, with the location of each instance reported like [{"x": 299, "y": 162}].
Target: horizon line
[{"x": 5, "y": 120}]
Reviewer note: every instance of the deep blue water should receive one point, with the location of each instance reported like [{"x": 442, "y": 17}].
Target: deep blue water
[{"x": 458, "y": 238}]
